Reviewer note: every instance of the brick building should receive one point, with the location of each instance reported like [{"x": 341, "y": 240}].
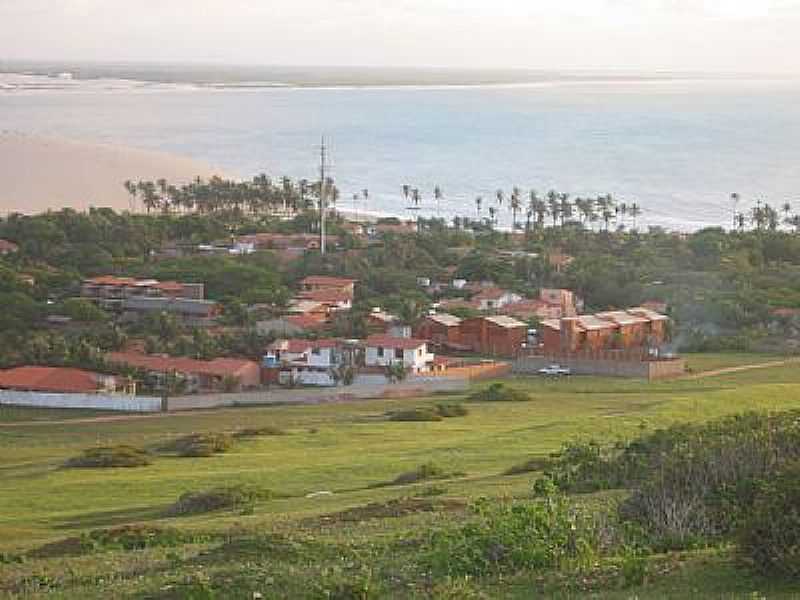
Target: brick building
[{"x": 494, "y": 336}]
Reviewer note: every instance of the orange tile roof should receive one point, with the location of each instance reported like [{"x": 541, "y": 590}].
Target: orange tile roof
[
  {"x": 327, "y": 280},
  {"x": 219, "y": 367},
  {"x": 306, "y": 321},
  {"x": 49, "y": 379},
  {"x": 323, "y": 295}
]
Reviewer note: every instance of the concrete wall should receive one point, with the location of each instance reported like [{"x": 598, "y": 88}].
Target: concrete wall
[
  {"x": 612, "y": 368},
  {"x": 414, "y": 386},
  {"x": 90, "y": 401}
]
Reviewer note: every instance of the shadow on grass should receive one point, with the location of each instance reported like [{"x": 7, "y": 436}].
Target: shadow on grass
[{"x": 111, "y": 518}]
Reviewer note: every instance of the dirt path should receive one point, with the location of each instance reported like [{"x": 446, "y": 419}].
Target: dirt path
[{"x": 740, "y": 368}]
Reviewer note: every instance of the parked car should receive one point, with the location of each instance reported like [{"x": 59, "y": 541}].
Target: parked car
[{"x": 555, "y": 371}]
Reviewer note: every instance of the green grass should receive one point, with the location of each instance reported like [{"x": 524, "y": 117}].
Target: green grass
[{"x": 340, "y": 448}]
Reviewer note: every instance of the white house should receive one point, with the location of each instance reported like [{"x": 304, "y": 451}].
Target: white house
[
  {"x": 383, "y": 350},
  {"x": 306, "y": 362},
  {"x": 494, "y": 298}
]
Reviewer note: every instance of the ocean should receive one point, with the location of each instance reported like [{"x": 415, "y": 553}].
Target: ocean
[{"x": 678, "y": 146}]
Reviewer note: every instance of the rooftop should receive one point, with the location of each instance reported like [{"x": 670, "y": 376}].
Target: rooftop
[
  {"x": 325, "y": 280},
  {"x": 50, "y": 379},
  {"x": 505, "y": 322},
  {"x": 445, "y": 319},
  {"x": 6, "y": 246},
  {"x": 219, "y": 367},
  {"x": 622, "y": 317},
  {"x": 325, "y": 295}
]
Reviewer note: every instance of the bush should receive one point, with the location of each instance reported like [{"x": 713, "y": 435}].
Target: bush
[
  {"x": 415, "y": 414},
  {"x": 506, "y": 537},
  {"x": 499, "y": 392},
  {"x": 532, "y": 465},
  {"x": 201, "y": 444},
  {"x": 426, "y": 472},
  {"x": 267, "y": 430},
  {"x": 769, "y": 537},
  {"x": 452, "y": 410},
  {"x": 110, "y": 456},
  {"x": 217, "y": 499}
]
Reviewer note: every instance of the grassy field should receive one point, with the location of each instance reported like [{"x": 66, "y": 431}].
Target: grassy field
[{"x": 341, "y": 450}]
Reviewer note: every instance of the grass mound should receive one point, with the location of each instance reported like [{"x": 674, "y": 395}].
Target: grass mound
[
  {"x": 109, "y": 457},
  {"x": 415, "y": 414},
  {"x": 200, "y": 444},
  {"x": 426, "y": 472},
  {"x": 127, "y": 537},
  {"x": 429, "y": 413},
  {"x": 399, "y": 507},
  {"x": 223, "y": 498},
  {"x": 533, "y": 465},
  {"x": 499, "y": 392},
  {"x": 265, "y": 431}
]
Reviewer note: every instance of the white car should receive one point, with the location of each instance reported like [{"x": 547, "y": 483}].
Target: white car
[{"x": 555, "y": 371}]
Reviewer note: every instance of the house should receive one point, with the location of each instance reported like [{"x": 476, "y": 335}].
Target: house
[
  {"x": 494, "y": 298},
  {"x": 292, "y": 325},
  {"x": 7, "y": 247},
  {"x": 59, "y": 380},
  {"x": 440, "y": 328},
  {"x": 306, "y": 362},
  {"x": 300, "y": 306},
  {"x": 316, "y": 283},
  {"x": 332, "y": 298},
  {"x": 379, "y": 321},
  {"x": 199, "y": 375},
  {"x": 384, "y": 350},
  {"x": 494, "y": 336},
  {"x": 198, "y": 313},
  {"x": 110, "y": 292},
  {"x": 613, "y": 330}
]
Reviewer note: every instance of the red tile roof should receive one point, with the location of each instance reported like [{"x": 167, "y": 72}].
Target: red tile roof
[
  {"x": 6, "y": 246},
  {"x": 323, "y": 295},
  {"x": 306, "y": 321},
  {"x": 50, "y": 379},
  {"x": 385, "y": 341},
  {"x": 325, "y": 280},
  {"x": 219, "y": 367}
]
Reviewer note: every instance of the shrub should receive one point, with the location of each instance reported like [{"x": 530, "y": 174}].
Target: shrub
[
  {"x": 452, "y": 410},
  {"x": 769, "y": 537},
  {"x": 499, "y": 392},
  {"x": 532, "y": 465},
  {"x": 267, "y": 430},
  {"x": 415, "y": 414},
  {"x": 201, "y": 444},
  {"x": 217, "y": 499},
  {"x": 110, "y": 456},
  {"x": 506, "y": 537},
  {"x": 426, "y": 472}
]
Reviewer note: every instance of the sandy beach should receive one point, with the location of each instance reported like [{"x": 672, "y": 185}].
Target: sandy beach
[{"x": 38, "y": 173}]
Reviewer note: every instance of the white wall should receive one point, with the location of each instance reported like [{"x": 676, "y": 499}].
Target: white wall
[
  {"x": 412, "y": 359},
  {"x": 90, "y": 401}
]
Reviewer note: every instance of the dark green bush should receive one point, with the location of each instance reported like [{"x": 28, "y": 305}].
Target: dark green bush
[
  {"x": 769, "y": 537},
  {"x": 201, "y": 444},
  {"x": 499, "y": 392},
  {"x": 532, "y": 465},
  {"x": 426, "y": 472},
  {"x": 415, "y": 414},
  {"x": 451, "y": 410},
  {"x": 267, "y": 430},
  {"x": 505, "y": 537},
  {"x": 110, "y": 456},
  {"x": 217, "y": 499}
]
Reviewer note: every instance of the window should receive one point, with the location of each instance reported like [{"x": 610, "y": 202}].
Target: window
[
  {"x": 380, "y": 352},
  {"x": 398, "y": 353},
  {"x": 316, "y": 351}
]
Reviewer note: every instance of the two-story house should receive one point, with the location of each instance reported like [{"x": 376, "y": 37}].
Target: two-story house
[{"x": 383, "y": 351}]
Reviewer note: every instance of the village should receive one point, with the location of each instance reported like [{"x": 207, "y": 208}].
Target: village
[{"x": 476, "y": 330}]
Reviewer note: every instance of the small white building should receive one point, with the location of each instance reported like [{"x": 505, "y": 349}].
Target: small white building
[
  {"x": 306, "y": 362},
  {"x": 494, "y": 298},
  {"x": 383, "y": 351}
]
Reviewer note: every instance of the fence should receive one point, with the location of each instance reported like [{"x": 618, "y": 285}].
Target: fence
[
  {"x": 614, "y": 367},
  {"x": 86, "y": 401}
]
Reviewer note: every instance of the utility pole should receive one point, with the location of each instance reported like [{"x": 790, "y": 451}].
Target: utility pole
[{"x": 322, "y": 197}]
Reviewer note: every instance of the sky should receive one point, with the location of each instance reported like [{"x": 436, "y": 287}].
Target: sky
[{"x": 752, "y": 36}]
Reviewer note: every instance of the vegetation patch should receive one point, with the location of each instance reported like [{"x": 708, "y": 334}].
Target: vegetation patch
[
  {"x": 532, "y": 465},
  {"x": 200, "y": 444},
  {"x": 499, "y": 392},
  {"x": 399, "y": 507},
  {"x": 127, "y": 537},
  {"x": 109, "y": 457},
  {"x": 429, "y": 413},
  {"x": 252, "y": 432},
  {"x": 426, "y": 472},
  {"x": 452, "y": 410},
  {"x": 223, "y": 498}
]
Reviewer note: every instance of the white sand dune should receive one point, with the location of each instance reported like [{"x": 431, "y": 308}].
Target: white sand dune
[{"x": 38, "y": 173}]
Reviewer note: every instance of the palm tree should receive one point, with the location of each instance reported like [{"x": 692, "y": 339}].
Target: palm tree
[
  {"x": 794, "y": 221},
  {"x": 437, "y": 194},
  {"x": 553, "y": 205},
  {"x": 499, "y": 196},
  {"x": 740, "y": 220},
  {"x": 735, "y": 200},
  {"x": 515, "y": 207},
  {"x": 635, "y": 211},
  {"x": 478, "y": 202},
  {"x": 564, "y": 208},
  {"x": 131, "y": 189},
  {"x": 492, "y": 213},
  {"x": 787, "y": 210},
  {"x": 406, "y": 192}
]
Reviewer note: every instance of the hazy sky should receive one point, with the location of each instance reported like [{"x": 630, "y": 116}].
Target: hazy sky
[{"x": 714, "y": 35}]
